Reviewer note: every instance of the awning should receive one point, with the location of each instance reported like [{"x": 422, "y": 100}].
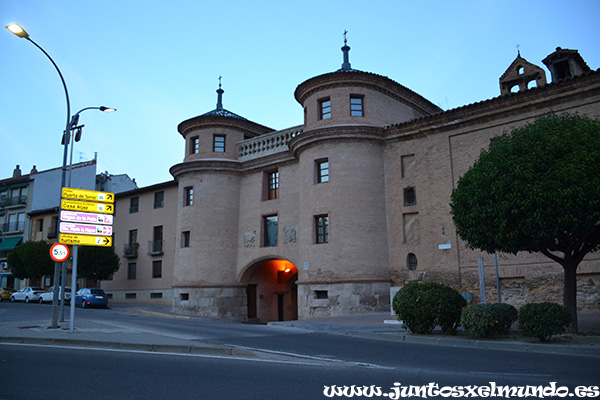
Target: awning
[{"x": 10, "y": 243}]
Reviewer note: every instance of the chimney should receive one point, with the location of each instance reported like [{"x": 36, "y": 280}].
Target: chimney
[{"x": 17, "y": 172}]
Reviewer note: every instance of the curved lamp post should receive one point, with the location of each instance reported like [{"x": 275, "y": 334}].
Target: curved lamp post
[{"x": 20, "y": 32}]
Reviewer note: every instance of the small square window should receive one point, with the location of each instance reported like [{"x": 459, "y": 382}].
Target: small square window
[
  {"x": 184, "y": 296},
  {"x": 322, "y": 170},
  {"x": 321, "y": 294},
  {"x": 185, "y": 239},
  {"x": 325, "y": 109},
  {"x": 410, "y": 196},
  {"x": 188, "y": 196},
  {"x": 219, "y": 144},
  {"x": 356, "y": 106}
]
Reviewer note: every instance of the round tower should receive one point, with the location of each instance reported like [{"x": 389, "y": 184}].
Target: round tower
[
  {"x": 208, "y": 213},
  {"x": 343, "y": 225}
]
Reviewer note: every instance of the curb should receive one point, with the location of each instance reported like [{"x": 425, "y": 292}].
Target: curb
[
  {"x": 575, "y": 350},
  {"x": 157, "y": 348}
]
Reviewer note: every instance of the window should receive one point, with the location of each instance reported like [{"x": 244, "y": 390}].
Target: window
[
  {"x": 356, "y": 106},
  {"x": 157, "y": 242},
  {"x": 270, "y": 231},
  {"x": 321, "y": 229},
  {"x": 195, "y": 145},
  {"x": 133, "y": 236},
  {"x": 410, "y": 196},
  {"x": 159, "y": 199},
  {"x": 325, "y": 109},
  {"x": 134, "y": 205},
  {"x": 219, "y": 144},
  {"x": 40, "y": 225},
  {"x": 131, "y": 269},
  {"x": 185, "y": 239},
  {"x": 321, "y": 294},
  {"x": 272, "y": 185},
  {"x": 188, "y": 196},
  {"x": 130, "y": 295},
  {"x": 411, "y": 262},
  {"x": 322, "y": 170},
  {"x": 157, "y": 269},
  {"x": 184, "y": 296},
  {"x": 157, "y": 295}
]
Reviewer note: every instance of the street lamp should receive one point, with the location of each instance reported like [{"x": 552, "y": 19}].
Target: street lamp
[{"x": 20, "y": 32}]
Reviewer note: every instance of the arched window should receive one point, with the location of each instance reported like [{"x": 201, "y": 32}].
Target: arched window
[{"x": 411, "y": 262}]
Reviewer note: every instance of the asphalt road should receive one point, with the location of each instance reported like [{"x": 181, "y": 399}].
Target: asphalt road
[{"x": 300, "y": 365}]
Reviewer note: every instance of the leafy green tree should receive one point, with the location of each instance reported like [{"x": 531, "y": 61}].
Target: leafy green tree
[
  {"x": 536, "y": 189},
  {"x": 97, "y": 263},
  {"x": 31, "y": 260}
]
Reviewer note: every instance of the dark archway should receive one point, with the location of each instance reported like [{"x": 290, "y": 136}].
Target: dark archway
[{"x": 271, "y": 290}]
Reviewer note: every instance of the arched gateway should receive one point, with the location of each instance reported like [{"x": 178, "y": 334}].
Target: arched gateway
[{"x": 271, "y": 290}]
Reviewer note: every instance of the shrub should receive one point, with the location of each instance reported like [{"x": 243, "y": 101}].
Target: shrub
[
  {"x": 505, "y": 314},
  {"x": 484, "y": 320},
  {"x": 478, "y": 320},
  {"x": 542, "y": 320},
  {"x": 423, "y": 306}
]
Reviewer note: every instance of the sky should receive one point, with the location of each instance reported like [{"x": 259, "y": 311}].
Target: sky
[{"x": 158, "y": 63}]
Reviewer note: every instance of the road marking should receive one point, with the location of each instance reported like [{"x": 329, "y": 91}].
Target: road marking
[{"x": 231, "y": 357}]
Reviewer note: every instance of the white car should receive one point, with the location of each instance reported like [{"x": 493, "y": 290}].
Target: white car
[
  {"x": 27, "y": 294},
  {"x": 47, "y": 296}
]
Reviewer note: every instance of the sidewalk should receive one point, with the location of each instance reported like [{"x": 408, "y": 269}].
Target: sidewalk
[
  {"x": 383, "y": 326},
  {"x": 379, "y": 326}
]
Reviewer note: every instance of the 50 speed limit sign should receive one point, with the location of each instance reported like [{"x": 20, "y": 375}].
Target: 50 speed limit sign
[{"x": 59, "y": 252}]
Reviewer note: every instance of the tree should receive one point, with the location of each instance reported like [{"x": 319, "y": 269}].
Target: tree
[
  {"x": 97, "y": 263},
  {"x": 536, "y": 189},
  {"x": 31, "y": 260}
]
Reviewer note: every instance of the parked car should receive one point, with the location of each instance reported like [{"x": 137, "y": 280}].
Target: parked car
[
  {"x": 47, "y": 297},
  {"x": 91, "y": 297},
  {"x": 27, "y": 294},
  {"x": 5, "y": 293}
]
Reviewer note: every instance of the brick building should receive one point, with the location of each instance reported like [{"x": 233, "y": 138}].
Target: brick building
[{"x": 326, "y": 218}]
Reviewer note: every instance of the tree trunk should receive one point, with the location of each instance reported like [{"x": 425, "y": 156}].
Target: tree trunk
[{"x": 570, "y": 295}]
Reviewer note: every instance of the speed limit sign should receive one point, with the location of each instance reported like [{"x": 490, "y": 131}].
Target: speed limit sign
[{"x": 59, "y": 252}]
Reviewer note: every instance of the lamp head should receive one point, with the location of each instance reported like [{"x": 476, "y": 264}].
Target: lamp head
[
  {"x": 107, "y": 109},
  {"x": 17, "y": 30}
]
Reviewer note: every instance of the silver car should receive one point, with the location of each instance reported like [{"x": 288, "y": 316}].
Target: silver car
[
  {"x": 27, "y": 294},
  {"x": 47, "y": 296}
]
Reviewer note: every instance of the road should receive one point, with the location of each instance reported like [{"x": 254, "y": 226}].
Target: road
[{"x": 299, "y": 364}]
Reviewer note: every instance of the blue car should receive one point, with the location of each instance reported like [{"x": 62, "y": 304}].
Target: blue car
[{"x": 91, "y": 297}]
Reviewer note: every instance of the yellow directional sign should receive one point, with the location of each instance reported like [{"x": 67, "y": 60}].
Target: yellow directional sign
[
  {"x": 74, "y": 205},
  {"x": 85, "y": 240},
  {"x": 89, "y": 195}
]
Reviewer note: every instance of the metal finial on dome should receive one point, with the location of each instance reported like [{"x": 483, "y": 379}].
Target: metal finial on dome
[
  {"x": 345, "y": 50},
  {"x": 518, "y": 46},
  {"x": 220, "y": 96}
]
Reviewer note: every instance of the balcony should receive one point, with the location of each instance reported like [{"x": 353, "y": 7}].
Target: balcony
[
  {"x": 155, "y": 248},
  {"x": 13, "y": 227},
  {"x": 16, "y": 201},
  {"x": 51, "y": 233},
  {"x": 130, "y": 250},
  {"x": 264, "y": 145}
]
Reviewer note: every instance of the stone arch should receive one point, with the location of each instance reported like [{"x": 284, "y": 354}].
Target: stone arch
[{"x": 271, "y": 290}]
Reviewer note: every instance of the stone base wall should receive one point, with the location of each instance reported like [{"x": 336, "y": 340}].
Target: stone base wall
[
  {"x": 338, "y": 299},
  {"x": 147, "y": 296},
  {"x": 216, "y": 302}
]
